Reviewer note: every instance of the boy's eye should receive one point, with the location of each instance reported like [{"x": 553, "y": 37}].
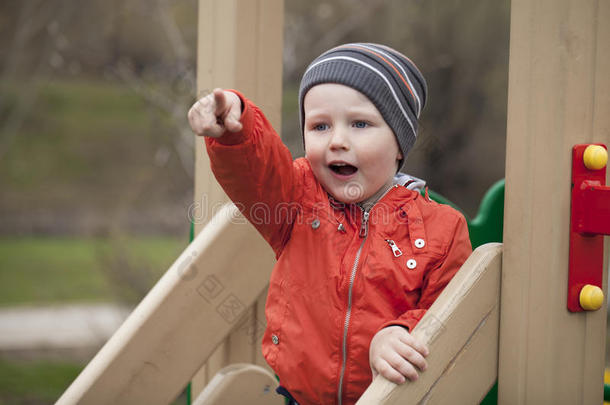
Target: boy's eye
[
  {"x": 320, "y": 127},
  {"x": 361, "y": 124}
]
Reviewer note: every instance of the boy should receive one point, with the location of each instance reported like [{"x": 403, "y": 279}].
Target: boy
[{"x": 360, "y": 254}]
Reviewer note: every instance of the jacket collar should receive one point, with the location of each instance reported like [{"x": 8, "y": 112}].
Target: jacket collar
[{"x": 408, "y": 188}]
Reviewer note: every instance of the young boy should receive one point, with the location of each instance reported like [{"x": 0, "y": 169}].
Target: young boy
[{"x": 360, "y": 254}]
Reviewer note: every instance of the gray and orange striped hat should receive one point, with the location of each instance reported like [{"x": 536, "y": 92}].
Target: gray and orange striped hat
[{"x": 388, "y": 78}]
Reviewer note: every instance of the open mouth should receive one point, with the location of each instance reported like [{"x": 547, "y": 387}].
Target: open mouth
[{"x": 343, "y": 169}]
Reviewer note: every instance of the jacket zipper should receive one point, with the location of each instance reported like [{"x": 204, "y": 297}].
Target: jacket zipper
[
  {"x": 395, "y": 249},
  {"x": 364, "y": 230},
  {"x": 363, "y": 234}
]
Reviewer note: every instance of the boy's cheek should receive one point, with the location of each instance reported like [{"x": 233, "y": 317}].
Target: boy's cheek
[{"x": 315, "y": 161}]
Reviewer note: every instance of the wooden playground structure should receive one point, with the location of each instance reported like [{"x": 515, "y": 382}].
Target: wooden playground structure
[{"x": 502, "y": 319}]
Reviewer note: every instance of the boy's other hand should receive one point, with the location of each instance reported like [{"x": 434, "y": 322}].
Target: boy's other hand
[
  {"x": 216, "y": 113},
  {"x": 395, "y": 354}
]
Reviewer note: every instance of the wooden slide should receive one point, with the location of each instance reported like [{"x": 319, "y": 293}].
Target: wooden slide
[{"x": 203, "y": 296}]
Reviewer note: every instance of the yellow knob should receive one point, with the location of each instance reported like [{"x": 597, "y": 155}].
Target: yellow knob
[
  {"x": 591, "y": 297},
  {"x": 595, "y": 157}
]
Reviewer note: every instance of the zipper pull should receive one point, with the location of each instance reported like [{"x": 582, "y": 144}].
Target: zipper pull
[
  {"x": 365, "y": 224},
  {"x": 397, "y": 252}
]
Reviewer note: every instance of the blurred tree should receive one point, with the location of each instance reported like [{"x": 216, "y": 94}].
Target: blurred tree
[
  {"x": 145, "y": 46},
  {"x": 149, "y": 46}
]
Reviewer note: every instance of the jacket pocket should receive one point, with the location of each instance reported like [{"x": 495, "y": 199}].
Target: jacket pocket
[{"x": 394, "y": 266}]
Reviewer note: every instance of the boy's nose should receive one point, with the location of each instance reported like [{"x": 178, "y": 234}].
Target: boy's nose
[{"x": 339, "y": 139}]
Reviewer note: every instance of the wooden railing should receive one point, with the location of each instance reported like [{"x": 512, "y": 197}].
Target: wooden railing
[{"x": 209, "y": 292}]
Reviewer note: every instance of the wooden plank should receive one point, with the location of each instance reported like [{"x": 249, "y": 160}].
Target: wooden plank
[
  {"x": 241, "y": 344},
  {"x": 237, "y": 383},
  {"x": 239, "y": 46},
  {"x": 186, "y": 315},
  {"x": 461, "y": 330},
  {"x": 215, "y": 68},
  {"x": 469, "y": 377},
  {"x": 558, "y": 96},
  {"x": 217, "y": 360}
]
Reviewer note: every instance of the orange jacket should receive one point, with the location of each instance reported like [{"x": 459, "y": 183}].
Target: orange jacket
[{"x": 339, "y": 278}]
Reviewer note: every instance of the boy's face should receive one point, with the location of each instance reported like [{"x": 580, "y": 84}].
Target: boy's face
[{"x": 351, "y": 149}]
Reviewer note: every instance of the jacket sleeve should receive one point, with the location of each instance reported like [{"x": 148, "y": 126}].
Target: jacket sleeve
[
  {"x": 437, "y": 278},
  {"x": 257, "y": 172}
]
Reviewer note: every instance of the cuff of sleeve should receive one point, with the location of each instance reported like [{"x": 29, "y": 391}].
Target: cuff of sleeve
[
  {"x": 247, "y": 122},
  {"x": 409, "y": 321}
]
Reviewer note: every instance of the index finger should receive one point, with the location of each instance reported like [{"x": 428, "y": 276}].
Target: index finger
[{"x": 220, "y": 100}]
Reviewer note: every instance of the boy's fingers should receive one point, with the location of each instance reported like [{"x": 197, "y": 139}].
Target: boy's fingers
[
  {"x": 207, "y": 126},
  {"x": 402, "y": 366},
  {"x": 214, "y": 130},
  {"x": 232, "y": 120},
  {"x": 199, "y": 114},
  {"x": 233, "y": 125},
  {"x": 204, "y": 106},
  {"x": 413, "y": 356},
  {"x": 385, "y": 369},
  {"x": 203, "y": 118},
  {"x": 196, "y": 120},
  {"x": 220, "y": 101},
  {"x": 409, "y": 340}
]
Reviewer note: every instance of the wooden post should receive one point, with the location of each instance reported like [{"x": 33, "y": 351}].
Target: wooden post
[
  {"x": 559, "y": 95},
  {"x": 239, "y": 46}
]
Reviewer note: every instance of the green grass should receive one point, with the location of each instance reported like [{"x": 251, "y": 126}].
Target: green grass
[
  {"x": 34, "y": 382},
  {"x": 44, "y": 270},
  {"x": 39, "y": 270},
  {"x": 39, "y": 382}
]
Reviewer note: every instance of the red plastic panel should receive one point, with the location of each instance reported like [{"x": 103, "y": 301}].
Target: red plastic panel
[{"x": 590, "y": 220}]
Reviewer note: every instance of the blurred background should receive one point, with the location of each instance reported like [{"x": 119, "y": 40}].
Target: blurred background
[{"x": 97, "y": 158}]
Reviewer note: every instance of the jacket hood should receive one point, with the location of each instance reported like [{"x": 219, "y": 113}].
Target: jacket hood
[{"x": 408, "y": 181}]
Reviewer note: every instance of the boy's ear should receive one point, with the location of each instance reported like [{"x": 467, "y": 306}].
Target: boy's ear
[{"x": 399, "y": 157}]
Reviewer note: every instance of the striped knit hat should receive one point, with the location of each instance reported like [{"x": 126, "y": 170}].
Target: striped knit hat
[{"x": 388, "y": 78}]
